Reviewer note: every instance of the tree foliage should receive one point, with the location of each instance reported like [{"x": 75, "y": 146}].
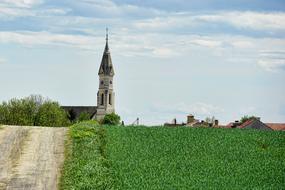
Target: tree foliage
[
  {"x": 246, "y": 118},
  {"x": 111, "y": 119},
  {"x": 210, "y": 119},
  {"x": 50, "y": 114},
  {"x": 32, "y": 111},
  {"x": 84, "y": 116}
]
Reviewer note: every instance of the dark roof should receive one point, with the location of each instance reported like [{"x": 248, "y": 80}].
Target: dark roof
[
  {"x": 254, "y": 124},
  {"x": 77, "y": 110},
  {"x": 276, "y": 126},
  {"x": 106, "y": 66}
]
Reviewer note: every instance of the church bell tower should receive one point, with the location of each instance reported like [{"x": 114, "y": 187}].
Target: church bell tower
[{"x": 105, "y": 95}]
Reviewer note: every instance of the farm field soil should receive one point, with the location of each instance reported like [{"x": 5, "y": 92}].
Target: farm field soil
[{"x": 31, "y": 157}]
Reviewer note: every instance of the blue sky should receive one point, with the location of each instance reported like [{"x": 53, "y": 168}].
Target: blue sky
[{"x": 171, "y": 58}]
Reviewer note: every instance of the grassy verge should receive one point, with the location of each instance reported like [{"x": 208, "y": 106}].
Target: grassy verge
[
  {"x": 196, "y": 158},
  {"x": 86, "y": 166}
]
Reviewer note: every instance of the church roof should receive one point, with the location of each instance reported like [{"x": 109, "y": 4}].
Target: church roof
[{"x": 106, "y": 67}]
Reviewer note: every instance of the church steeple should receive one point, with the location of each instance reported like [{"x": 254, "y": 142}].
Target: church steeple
[
  {"x": 106, "y": 67},
  {"x": 105, "y": 95},
  {"x": 107, "y": 38}
]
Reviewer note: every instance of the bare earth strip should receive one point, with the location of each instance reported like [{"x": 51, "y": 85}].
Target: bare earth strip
[{"x": 34, "y": 163}]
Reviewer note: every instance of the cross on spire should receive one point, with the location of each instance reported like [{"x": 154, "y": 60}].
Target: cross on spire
[{"x": 107, "y": 34}]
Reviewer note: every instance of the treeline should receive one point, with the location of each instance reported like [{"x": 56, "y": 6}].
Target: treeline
[{"x": 33, "y": 111}]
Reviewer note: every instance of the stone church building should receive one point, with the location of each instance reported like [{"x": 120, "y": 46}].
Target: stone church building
[{"x": 105, "y": 94}]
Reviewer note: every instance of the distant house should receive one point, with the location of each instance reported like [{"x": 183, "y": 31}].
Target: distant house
[
  {"x": 191, "y": 121},
  {"x": 276, "y": 126},
  {"x": 233, "y": 124},
  {"x": 174, "y": 124},
  {"x": 254, "y": 124}
]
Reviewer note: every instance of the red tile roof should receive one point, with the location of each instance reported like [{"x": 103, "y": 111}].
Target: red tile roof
[
  {"x": 276, "y": 126},
  {"x": 246, "y": 123}
]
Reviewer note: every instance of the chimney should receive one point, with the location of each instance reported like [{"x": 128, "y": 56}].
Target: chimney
[
  {"x": 190, "y": 118},
  {"x": 216, "y": 122}
]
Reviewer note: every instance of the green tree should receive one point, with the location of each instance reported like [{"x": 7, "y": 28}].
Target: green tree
[
  {"x": 246, "y": 118},
  {"x": 18, "y": 112},
  {"x": 4, "y": 113},
  {"x": 32, "y": 110},
  {"x": 52, "y": 115},
  {"x": 111, "y": 119}
]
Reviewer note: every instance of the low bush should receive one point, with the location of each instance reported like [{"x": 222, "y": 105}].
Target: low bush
[
  {"x": 84, "y": 116},
  {"x": 32, "y": 111},
  {"x": 111, "y": 119}
]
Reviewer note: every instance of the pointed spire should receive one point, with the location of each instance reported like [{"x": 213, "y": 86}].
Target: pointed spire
[
  {"x": 106, "y": 66},
  {"x": 107, "y": 34},
  {"x": 107, "y": 38}
]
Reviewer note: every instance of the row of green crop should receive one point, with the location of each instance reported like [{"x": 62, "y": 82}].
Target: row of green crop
[
  {"x": 196, "y": 158},
  {"x": 116, "y": 157},
  {"x": 86, "y": 166}
]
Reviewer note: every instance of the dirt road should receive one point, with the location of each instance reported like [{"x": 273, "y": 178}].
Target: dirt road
[{"x": 31, "y": 157}]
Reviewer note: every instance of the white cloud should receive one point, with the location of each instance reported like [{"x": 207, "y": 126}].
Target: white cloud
[
  {"x": 210, "y": 43},
  {"x": 8, "y": 12},
  {"x": 164, "y": 52},
  {"x": 238, "y": 48},
  {"x": 272, "y": 61},
  {"x": 242, "y": 44},
  {"x": 270, "y": 21},
  {"x": 2, "y": 60},
  {"x": 252, "y": 20},
  {"x": 21, "y": 3},
  {"x": 198, "y": 108},
  {"x": 272, "y": 65},
  {"x": 46, "y": 38}
]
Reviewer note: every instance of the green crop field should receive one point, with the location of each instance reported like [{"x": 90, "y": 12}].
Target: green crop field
[{"x": 175, "y": 158}]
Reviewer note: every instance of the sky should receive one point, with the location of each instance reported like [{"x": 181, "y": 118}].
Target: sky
[{"x": 171, "y": 57}]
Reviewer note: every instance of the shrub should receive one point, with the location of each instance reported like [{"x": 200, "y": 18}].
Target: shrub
[
  {"x": 32, "y": 110},
  {"x": 50, "y": 114},
  {"x": 18, "y": 111},
  {"x": 84, "y": 116},
  {"x": 111, "y": 119}
]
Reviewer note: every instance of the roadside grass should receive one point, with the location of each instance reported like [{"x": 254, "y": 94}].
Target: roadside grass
[
  {"x": 196, "y": 158},
  {"x": 86, "y": 166},
  {"x": 115, "y": 157}
]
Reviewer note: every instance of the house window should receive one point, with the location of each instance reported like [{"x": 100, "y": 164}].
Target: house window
[
  {"x": 102, "y": 99},
  {"x": 110, "y": 99}
]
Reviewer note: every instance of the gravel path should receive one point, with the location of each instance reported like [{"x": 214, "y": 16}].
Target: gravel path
[{"x": 31, "y": 157}]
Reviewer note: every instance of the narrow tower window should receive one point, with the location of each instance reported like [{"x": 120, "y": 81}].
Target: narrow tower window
[
  {"x": 110, "y": 99},
  {"x": 102, "y": 99}
]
